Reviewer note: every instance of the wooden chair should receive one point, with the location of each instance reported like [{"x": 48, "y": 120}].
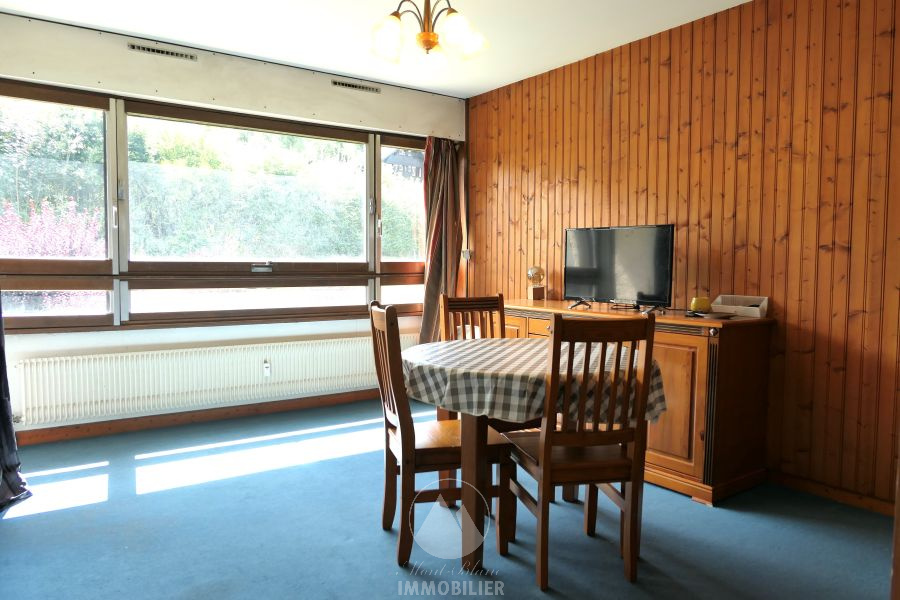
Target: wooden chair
[
  {"x": 461, "y": 316},
  {"x": 411, "y": 448},
  {"x": 599, "y": 449},
  {"x": 468, "y": 318}
]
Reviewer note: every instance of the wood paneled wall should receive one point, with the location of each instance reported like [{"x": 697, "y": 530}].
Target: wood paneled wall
[{"x": 767, "y": 135}]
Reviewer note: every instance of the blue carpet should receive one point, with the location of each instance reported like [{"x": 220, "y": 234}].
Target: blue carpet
[{"x": 288, "y": 506}]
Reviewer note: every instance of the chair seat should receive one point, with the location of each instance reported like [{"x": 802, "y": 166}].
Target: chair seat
[
  {"x": 438, "y": 443},
  {"x": 445, "y": 434},
  {"x": 570, "y": 464}
]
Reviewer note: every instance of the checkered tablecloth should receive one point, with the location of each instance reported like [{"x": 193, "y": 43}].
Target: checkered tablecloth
[{"x": 505, "y": 378}]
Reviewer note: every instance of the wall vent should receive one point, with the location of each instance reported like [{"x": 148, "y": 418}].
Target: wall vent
[
  {"x": 161, "y": 51},
  {"x": 356, "y": 86}
]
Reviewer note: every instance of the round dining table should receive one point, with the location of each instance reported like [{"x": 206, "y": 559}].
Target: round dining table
[{"x": 500, "y": 378}]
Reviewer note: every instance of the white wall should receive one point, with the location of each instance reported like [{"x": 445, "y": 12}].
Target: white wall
[{"x": 52, "y": 53}]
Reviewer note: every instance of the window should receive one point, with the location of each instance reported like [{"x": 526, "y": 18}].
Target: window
[
  {"x": 55, "y": 303},
  {"x": 402, "y": 204},
  {"x": 52, "y": 181},
  {"x": 200, "y": 192},
  {"x": 404, "y": 293},
  {"x": 41, "y": 301},
  {"x": 116, "y": 213},
  {"x": 250, "y": 298}
]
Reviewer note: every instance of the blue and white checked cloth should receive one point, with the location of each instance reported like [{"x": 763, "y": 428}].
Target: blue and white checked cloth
[{"x": 504, "y": 378}]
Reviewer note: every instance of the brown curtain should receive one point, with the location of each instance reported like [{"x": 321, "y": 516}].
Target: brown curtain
[
  {"x": 443, "y": 241},
  {"x": 12, "y": 486}
]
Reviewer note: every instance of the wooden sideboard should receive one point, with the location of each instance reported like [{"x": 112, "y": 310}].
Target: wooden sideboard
[{"x": 711, "y": 441}]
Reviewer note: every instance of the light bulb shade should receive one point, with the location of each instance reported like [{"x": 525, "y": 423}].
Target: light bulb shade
[
  {"x": 457, "y": 34},
  {"x": 387, "y": 39},
  {"x": 454, "y": 28}
]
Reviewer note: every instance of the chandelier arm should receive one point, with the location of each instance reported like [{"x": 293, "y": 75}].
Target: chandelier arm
[
  {"x": 440, "y": 12},
  {"x": 416, "y": 13},
  {"x": 415, "y": 16}
]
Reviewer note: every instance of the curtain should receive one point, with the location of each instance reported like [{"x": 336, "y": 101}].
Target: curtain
[
  {"x": 443, "y": 241},
  {"x": 12, "y": 486}
]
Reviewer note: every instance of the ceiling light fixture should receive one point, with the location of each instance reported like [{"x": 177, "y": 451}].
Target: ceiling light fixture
[{"x": 439, "y": 28}]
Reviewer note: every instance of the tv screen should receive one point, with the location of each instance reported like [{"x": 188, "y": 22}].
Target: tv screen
[{"x": 620, "y": 264}]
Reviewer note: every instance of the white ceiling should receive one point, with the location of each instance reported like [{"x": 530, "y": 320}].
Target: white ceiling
[{"x": 525, "y": 37}]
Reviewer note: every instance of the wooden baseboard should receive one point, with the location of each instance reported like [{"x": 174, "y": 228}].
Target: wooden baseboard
[
  {"x": 838, "y": 495},
  {"x": 85, "y": 430}
]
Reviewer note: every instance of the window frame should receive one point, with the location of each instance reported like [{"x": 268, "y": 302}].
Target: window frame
[
  {"x": 118, "y": 274},
  {"x": 392, "y": 266},
  {"x": 64, "y": 266}
]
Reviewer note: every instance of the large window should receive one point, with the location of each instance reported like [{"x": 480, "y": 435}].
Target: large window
[
  {"x": 210, "y": 193},
  {"x": 116, "y": 213}
]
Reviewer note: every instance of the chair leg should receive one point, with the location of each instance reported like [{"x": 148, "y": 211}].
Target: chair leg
[
  {"x": 448, "y": 482},
  {"x": 570, "y": 493},
  {"x": 407, "y": 514},
  {"x": 390, "y": 490},
  {"x": 590, "y": 509},
  {"x": 503, "y": 507},
  {"x": 448, "y": 478},
  {"x": 631, "y": 528},
  {"x": 545, "y": 492},
  {"x": 512, "y": 513}
]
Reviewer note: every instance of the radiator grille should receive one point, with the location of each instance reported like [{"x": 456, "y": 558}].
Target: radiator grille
[{"x": 72, "y": 389}]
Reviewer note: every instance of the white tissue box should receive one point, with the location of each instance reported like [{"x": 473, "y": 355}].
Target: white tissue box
[{"x": 746, "y": 306}]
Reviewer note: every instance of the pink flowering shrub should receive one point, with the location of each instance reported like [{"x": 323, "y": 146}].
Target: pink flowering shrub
[{"x": 62, "y": 232}]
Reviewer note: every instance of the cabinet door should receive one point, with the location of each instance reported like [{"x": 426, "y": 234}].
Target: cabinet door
[
  {"x": 675, "y": 441},
  {"x": 538, "y": 328},
  {"x": 515, "y": 327}
]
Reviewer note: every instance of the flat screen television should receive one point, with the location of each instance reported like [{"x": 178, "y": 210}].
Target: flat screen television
[{"x": 623, "y": 265}]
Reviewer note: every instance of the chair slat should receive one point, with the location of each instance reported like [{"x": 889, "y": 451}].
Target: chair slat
[
  {"x": 567, "y": 389},
  {"x": 614, "y": 388},
  {"x": 627, "y": 391},
  {"x": 583, "y": 388},
  {"x": 601, "y": 368}
]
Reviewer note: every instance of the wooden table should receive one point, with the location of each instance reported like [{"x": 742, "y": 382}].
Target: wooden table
[{"x": 502, "y": 378}]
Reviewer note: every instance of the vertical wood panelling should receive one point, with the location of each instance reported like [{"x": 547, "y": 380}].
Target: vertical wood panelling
[{"x": 769, "y": 135}]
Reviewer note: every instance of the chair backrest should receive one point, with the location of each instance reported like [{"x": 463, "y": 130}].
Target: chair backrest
[
  {"x": 460, "y": 317},
  {"x": 389, "y": 369},
  {"x": 575, "y": 389}
]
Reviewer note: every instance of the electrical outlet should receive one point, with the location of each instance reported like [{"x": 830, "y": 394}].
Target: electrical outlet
[{"x": 267, "y": 368}]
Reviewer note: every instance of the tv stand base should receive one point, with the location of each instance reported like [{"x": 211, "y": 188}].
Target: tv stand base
[
  {"x": 580, "y": 302},
  {"x": 624, "y": 306}
]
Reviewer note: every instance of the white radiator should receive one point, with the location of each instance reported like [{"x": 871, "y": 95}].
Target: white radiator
[{"x": 77, "y": 389}]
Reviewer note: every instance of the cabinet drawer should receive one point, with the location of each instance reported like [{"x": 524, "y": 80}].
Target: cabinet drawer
[
  {"x": 515, "y": 327},
  {"x": 538, "y": 327}
]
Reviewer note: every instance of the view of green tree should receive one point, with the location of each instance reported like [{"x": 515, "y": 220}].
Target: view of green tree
[
  {"x": 197, "y": 192},
  {"x": 203, "y": 192}
]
